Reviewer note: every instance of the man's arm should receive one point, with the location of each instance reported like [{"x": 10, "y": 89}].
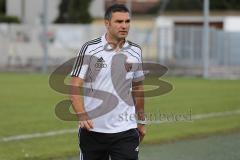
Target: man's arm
[
  {"x": 138, "y": 97},
  {"x": 77, "y": 103}
]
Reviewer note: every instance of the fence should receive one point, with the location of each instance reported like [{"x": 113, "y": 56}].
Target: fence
[
  {"x": 21, "y": 46},
  {"x": 183, "y": 45},
  {"x": 179, "y": 48}
]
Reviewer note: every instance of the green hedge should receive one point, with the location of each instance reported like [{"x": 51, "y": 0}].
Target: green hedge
[{"x": 9, "y": 19}]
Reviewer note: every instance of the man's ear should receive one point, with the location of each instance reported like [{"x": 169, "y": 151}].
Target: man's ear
[{"x": 106, "y": 23}]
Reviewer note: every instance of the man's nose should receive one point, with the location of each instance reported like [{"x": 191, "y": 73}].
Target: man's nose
[{"x": 124, "y": 25}]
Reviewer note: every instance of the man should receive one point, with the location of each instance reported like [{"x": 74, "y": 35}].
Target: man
[{"x": 109, "y": 70}]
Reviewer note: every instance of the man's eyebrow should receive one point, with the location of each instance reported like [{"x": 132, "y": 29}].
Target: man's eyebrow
[{"x": 119, "y": 20}]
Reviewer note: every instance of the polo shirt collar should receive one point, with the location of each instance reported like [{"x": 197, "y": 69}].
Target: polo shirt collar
[{"x": 104, "y": 41}]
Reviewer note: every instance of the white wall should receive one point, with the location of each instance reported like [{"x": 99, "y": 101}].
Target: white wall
[
  {"x": 232, "y": 24},
  {"x": 165, "y": 27},
  {"x": 33, "y": 10},
  {"x": 97, "y": 8}
]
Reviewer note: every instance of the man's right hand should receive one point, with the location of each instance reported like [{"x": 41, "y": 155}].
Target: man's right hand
[
  {"x": 88, "y": 124},
  {"x": 78, "y": 105}
]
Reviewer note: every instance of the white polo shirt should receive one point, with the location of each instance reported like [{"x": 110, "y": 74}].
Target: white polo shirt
[{"x": 108, "y": 77}]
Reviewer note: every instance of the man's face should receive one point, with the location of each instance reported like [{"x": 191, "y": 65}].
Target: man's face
[{"x": 119, "y": 25}]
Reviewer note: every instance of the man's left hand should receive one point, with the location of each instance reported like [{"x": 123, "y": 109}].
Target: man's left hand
[{"x": 142, "y": 131}]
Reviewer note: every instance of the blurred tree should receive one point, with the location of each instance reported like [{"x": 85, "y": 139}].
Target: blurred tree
[
  {"x": 74, "y": 11},
  {"x": 225, "y": 4},
  {"x": 2, "y": 7},
  {"x": 185, "y": 5},
  {"x": 78, "y": 11},
  {"x": 63, "y": 9}
]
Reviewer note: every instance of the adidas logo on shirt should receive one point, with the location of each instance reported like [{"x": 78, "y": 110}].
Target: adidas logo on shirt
[
  {"x": 100, "y": 59},
  {"x": 100, "y": 63}
]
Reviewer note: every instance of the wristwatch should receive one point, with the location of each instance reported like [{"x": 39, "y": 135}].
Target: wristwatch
[{"x": 143, "y": 122}]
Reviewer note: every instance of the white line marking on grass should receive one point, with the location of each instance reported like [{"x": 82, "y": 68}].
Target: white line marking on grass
[
  {"x": 200, "y": 116},
  {"x": 215, "y": 114},
  {"x": 66, "y": 131},
  {"x": 37, "y": 135}
]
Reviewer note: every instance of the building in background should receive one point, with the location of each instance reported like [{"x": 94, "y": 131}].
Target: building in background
[
  {"x": 180, "y": 43},
  {"x": 222, "y": 22}
]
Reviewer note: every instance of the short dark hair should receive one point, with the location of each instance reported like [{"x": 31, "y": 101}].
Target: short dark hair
[{"x": 115, "y": 8}]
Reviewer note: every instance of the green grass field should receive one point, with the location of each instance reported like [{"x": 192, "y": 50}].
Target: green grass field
[{"x": 27, "y": 106}]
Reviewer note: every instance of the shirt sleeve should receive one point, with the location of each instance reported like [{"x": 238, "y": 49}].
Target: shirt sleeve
[
  {"x": 80, "y": 66},
  {"x": 138, "y": 75}
]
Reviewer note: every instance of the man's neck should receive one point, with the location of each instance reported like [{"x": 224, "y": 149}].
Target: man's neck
[{"x": 114, "y": 42}]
